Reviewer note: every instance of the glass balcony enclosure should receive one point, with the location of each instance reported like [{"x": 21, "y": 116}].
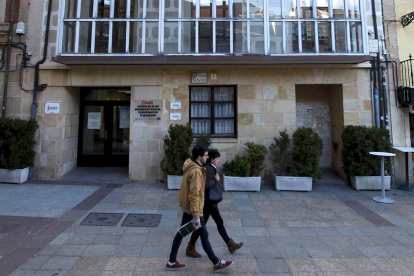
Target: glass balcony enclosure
[{"x": 211, "y": 27}]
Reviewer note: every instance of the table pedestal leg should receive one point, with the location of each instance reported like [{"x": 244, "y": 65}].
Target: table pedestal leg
[{"x": 383, "y": 199}]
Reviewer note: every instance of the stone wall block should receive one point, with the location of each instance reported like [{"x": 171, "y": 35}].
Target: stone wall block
[
  {"x": 246, "y": 131},
  {"x": 365, "y": 118},
  {"x": 156, "y": 159},
  {"x": 266, "y": 132},
  {"x": 350, "y": 91},
  {"x": 364, "y": 91},
  {"x": 48, "y": 146},
  {"x": 234, "y": 76},
  {"x": 289, "y": 119},
  {"x": 151, "y": 173},
  {"x": 225, "y": 147},
  {"x": 246, "y": 92},
  {"x": 159, "y": 132},
  {"x": 136, "y": 172},
  {"x": 153, "y": 145},
  {"x": 352, "y": 105},
  {"x": 14, "y": 106},
  {"x": 351, "y": 118},
  {"x": 259, "y": 119},
  {"x": 181, "y": 93},
  {"x": 284, "y": 106},
  {"x": 252, "y": 106},
  {"x": 42, "y": 159},
  {"x": 245, "y": 119},
  {"x": 146, "y": 93},
  {"x": 273, "y": 119},
  {"x": 249, "y": 77},
  {"x": 367, "y": 104},
  {"x": 48, "y": 172},
  {"x": 172, "y": 77},
  {"x": 55, "y": 133},
  {"x": 137, "y": 146},
  {"x": 270, "y": 92},
  {"x": 62, "y": 121},
  {"x": 52, "y": 159}
]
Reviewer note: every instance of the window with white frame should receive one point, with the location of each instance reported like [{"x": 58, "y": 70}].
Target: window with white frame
[{"x": 258, "y": 27}]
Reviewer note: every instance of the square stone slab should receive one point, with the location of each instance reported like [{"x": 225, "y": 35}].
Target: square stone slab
[
  {"x": 102, "y": 219},
  {"x": 142, "y": 220}
]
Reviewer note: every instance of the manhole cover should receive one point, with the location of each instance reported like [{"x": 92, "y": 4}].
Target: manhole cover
[
  {"x": 142, "y": 220},
  {"x": 113, "y": 186},
  {"x": 102, "y": 219}
]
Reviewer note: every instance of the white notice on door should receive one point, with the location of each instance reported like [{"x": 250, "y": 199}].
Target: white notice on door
[{"x": 94, "y": 120}]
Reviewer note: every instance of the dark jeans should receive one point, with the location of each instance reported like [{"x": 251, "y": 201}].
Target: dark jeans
[
  {"x": 212, "y": 210},
  {"x": 204, "y": 241}
]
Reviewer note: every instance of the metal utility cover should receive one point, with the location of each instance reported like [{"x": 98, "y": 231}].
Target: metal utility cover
[
  {"x": 142, "y": 220},
  {"x": 102, "y": 219}
]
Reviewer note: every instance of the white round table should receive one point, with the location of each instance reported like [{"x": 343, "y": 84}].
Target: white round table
[
  {"x": 382, "y": 199},
  {"x": 406, "y": 150}
]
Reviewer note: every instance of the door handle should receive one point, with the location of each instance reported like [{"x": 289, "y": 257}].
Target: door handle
[{"x": 106, "y": 134}]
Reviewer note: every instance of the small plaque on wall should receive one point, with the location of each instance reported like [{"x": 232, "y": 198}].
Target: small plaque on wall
[
  {"x": 52, "y": 108},
  {"x": 175, "y": 116},
  {"x": 175, "y": 105},
  {"x": 198, "y": 77}
]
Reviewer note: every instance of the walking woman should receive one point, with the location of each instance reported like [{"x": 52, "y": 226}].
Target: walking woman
[{"x": 211, "y": 209}]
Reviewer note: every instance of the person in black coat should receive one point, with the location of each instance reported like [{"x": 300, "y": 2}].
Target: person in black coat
[{"x": 211, "y": 209}]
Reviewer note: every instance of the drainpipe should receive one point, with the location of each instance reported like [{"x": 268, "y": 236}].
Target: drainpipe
[
  {"x": 36, "y": 75},
  {"x": 8, "y": 58},
  {"x": 375, "y": 65}
]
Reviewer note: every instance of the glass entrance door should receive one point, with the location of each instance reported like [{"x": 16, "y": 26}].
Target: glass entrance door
[{"x": 104, "y": 130}]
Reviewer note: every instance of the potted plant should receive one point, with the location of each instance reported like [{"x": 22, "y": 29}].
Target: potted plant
[
  {"x": 363, "y": 169},
  {"x": 243, "y": 173},
  {"x": 176, "y": 150},
  {"x": 16, "y": 149},
  {"x": 296, "y": 169}
]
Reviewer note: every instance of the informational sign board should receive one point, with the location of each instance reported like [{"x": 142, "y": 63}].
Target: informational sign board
[
  {"x": 52, "y": 108},
  {"x": 147, "y": 110},
  {"x": 94, "y": 120},
  {"x": 175, "y": 105},
  {"x": 198, "y": 77},
  {"x": 175, "y": 116}
]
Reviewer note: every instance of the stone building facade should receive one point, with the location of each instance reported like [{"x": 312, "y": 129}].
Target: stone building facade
[{"x": 273, "y": 91}]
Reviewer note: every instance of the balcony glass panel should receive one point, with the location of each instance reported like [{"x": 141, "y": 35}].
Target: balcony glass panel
[
  {"x": 137, "y": 8},
  {"x": 239, "y": 8},
  {"x": 71, "y": 7},
  {"x": 135, "y": 37},
  {"x": 306, "y": 8},
  {"x": 276, "y": 37},
  {"x": 222, "y": 37},
  {"x": 308, "y": 37},
  {"x": 188, "y": 8},
  {"x": 353, "y": 9},
  {"x": 322, "y": 9},
  {"x": 240, "y": 37},
  {"x": 292, "y": 45},
  {"x": 206, "y": 8},
  {"x": 275, "y": 9},
  {"x": 153, "y": 7},
  {"x": 171, "y": 37},
  {"x": 151, "y": 38},
  {"x": 68, "y": 41},
  {"x": 338, "y": 9},
  {"x": 356, "y": 37},
  {"x": 188, "y": 37},
  {"x": 222, "y": 8},
  {"x": 171, "y": 8},
  {"x": 340, "y": 37},
  {"x": 205, "y": 34},
  {"x": 256, "y": 9},
  {"x": 86, "y": 9},
  {"x": 104, "y": 8},
  {"x": 120, "y": 9},
  {"x": 324, "y": 37},
  {"x": 256, "y": 38},
  {"x": 85, "y": 35},
  {"x": 291, "y": 10},
  {"x": 118, "y": 37}
]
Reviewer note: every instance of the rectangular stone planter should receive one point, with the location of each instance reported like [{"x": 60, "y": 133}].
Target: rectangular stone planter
[
  {"x": 231, "y": 183},
  {"x": 293, "y": 183},
  {"x": 174, "y": 182},
  {"x": 14, "y": 176},
  {"x": 369, "y": 182}
]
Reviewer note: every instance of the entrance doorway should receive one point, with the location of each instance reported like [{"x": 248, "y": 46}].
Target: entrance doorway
[{"x": 104, "y": 127}]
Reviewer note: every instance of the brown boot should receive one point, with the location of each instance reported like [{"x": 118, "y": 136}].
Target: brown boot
[
  {"x": 191, "y": 251},
  {"x": 232, "y": 246}
]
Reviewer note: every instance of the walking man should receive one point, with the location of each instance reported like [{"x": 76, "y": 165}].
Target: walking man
[{"x": 191, "y": 198}]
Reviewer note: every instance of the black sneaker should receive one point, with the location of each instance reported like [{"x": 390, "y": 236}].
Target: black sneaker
[
  {"x": 175, "y": 266},
  {"x": 222, "y": 265}
]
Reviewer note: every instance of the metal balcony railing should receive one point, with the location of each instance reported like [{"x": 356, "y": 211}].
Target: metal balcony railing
[{"x": 407, "y": 74}]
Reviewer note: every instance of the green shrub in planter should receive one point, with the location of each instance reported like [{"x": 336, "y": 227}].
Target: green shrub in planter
[
  {"x": 16, "y": 143},
  {"x": 307, "y": 151},
  {"x": 176, "y": 148},
  {"x": 239, "y": 166},
  {"x": 250, "y": 165},
  {"x": 358, "y": 141},
  {"x": 256, "y": 154},
  {"x": 281, "y": 156},
  {"x": 303, "y": 160}
]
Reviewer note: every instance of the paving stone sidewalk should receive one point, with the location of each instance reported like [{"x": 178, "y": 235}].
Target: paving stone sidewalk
[{"x": 333, "y": 230}]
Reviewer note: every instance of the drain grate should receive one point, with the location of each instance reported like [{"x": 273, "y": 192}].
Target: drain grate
[
  {"x": 113, "y": 186},
  {"x": 102, "y": 219},
  {"x": 142, "y": 220}
]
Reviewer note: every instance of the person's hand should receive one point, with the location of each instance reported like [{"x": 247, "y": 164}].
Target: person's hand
[
  {"x": 217, "y": 177},
  {"x": 196, "y": 222}
]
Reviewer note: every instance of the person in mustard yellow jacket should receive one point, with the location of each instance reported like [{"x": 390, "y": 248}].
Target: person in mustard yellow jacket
[{"x": 191, "y": 199}]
